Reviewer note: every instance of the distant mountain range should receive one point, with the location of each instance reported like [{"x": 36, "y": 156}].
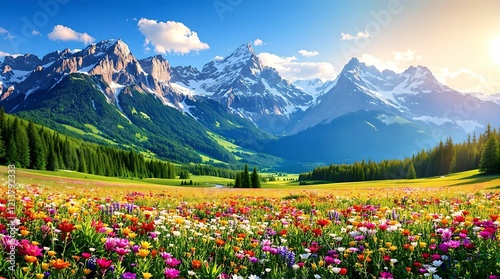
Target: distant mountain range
[{"x": 236, "y": 110}]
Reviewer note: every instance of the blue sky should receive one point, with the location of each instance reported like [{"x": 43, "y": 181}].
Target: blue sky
[{"x": 456, "y": 39}]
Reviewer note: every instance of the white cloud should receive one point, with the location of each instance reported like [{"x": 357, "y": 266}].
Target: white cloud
[
  {"x": 170, "y": 36},
  {"x": 35, "y": 32},
  {"x": 308, "y": 53},
  {"x": 64, "y": 33},
  {"x": 359, "y": 35},
  {"x": 258, "y": 42},
  {"x": 6, "y": 33},
  {"x": 291, "y": 69},
  {"x": 217, "y": 58},
  {"x": 3, "y": 54},
  {"x": 465, "y": 80},
  {"x": 399, "y": 59}
]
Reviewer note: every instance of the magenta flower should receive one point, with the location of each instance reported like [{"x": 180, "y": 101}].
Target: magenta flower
[
  {"x": 171, "y": 273},
  {"x": 172, "y": 262},
  {"x": 386, "y": 275}
]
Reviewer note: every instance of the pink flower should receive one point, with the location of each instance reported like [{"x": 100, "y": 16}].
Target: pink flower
[
  {"x": 103, "y": 263},
  {"x": 171, "y": 273},
  {"x": 172, "y": 262}
]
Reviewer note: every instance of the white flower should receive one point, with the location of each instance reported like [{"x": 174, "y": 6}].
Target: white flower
[
  {"x": 268, "y": 270},
  {"x": 437, "y": 263},
  {"x": 336, "y": 270},
  {"x": 295, "y": 266},
  {"x": 252, "y": 277},
  {"x": 191, "y": 273},
  {"x": 176, "y": 233},
  {"x": 317, "y": 276}
]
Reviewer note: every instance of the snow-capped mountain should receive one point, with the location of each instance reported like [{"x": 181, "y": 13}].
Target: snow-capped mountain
[
  {"x": 243, "y": 84},
  {"x": 361, "y": 111},
  {"x": 314, "y": 87},
  {"x": 415, "y": 95}
]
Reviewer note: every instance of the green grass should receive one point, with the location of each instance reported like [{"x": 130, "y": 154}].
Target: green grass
[
  {"x": 50, "y": 178},
  {"x": 229, "y": 146},
  {"x": 82, "y": 132},
  {"x": 92, "y": 128},
  {"x": 68, "y": 178}
]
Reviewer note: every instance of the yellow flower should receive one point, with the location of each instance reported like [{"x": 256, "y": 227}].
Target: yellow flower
[
  {"x": 314, "y": 266},
  {"x": 393, "y": 248},
  {"x": 51, "y": 253},
  {"x": 145, "y": 245},
  {"x": 126, "y": 231},
  {"x": 86, "y": 271},
  {"x": 423, "y": 244},
  {"x": 24, "y": 232},
  {"x": 132, "y": 235},
  {"x": 45, "y": 266},
  {"x": 25, "y": 269},
  {"x": 143, "y": 253},
  {"x": 146, "y": 275},
  {"x": 39, "y": 275}
]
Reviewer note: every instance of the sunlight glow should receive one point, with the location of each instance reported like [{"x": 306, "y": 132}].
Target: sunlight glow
[{"x": 495, "y": 50}]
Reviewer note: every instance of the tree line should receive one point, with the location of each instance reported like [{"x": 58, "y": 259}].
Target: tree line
[
  {"x": 481, "y": 152},
  {"x": 27, "y": 145},
  {"x": 245, "y": 180}
]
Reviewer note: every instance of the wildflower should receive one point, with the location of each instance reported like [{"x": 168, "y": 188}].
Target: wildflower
[
  {"x": 143, "y": 253},
  {"x": 386, "y": 275},
  {"x": 146, "y": 275},
  {"x": 59, "y": 264},
  {"x": 171, "y": 273},
  {"x": 129, "y": 275},
  {"x": 30, "y": 259},
  {"x": 196, "y": 264}
]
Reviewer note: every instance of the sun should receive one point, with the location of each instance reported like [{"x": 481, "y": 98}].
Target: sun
[{"x": 495, "y": 50}]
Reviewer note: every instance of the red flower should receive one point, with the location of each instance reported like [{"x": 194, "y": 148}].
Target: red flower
[
  {"x": 343, "y": 271},
  {"x": 317, "y": 232},
  {"x": 323, "y": 222},
  {"x": 103, "y": 263},
  {"x": 147, "y": 227}
]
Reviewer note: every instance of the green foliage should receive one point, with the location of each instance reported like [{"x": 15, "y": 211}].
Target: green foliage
[
  {"x": 490, "y": 157},
  {"x": 33, "y": 146},
  {"x": 255, "y": 179},
  {"x": 412, "y": 174},
  {"x": 441, "y": 160}
]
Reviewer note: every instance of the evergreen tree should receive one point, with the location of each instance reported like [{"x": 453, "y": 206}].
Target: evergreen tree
[
  {"x": 237, "y": 181},
  {"x": 22, "y": 143},
  {"x": 37, "y": 157},
  {"x": 255, "y": 179},
  {"x": 52, "y": 160},
  {"x": 412, "y": 174},
  {"x": 245, "y": 178},
  {"x": 11, "y": 156},
  {"x": 490, "y": 157}
]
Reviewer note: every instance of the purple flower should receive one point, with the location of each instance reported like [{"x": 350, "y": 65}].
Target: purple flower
[{"x": 128, "y": 275}]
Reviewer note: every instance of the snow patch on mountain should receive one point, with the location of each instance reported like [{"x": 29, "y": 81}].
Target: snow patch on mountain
[
  {"x": 433, "y": 120},
  {"x": 469, "y": 126},
  {"x": 117, "y": 88}
]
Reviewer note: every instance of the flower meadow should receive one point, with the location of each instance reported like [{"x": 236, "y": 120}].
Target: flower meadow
[{"x": 228, "y": 233}]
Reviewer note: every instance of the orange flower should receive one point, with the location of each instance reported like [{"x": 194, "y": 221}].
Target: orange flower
[
  {"x": 196, "y": 264},
  {"x": 220, "y": 242},
  {"x": 30, "y": 259},
  {"x": 60, "y": 264}
]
